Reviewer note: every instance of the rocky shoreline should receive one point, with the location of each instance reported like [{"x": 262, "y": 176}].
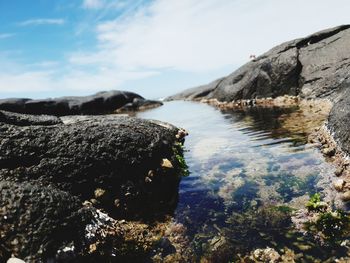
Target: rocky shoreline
[
  {"x": 68, "y": 185},
  {"x": 100, "y": 103},
  {"x": 309, "y": 72}
]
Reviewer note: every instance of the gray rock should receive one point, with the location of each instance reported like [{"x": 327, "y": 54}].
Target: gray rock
[
  {"x": 36, "y": 221},
  {"x": 15, "y": 260},
  {"x": 51, "y": 167},
  {"x": 314, "y": 66},
  {"x": 99, "y": 103},
  {"x": 339, "y": 121},
  {"x": 81, "y": 154}
]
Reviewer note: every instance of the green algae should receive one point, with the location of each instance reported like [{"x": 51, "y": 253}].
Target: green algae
[
  {"x": 331, "y": 226},
  {"x": 178, "y": 150}
]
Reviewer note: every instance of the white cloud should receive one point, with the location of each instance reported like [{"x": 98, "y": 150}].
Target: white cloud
[
  {"x": 197, "y": 36},
  {"x": 42, "y": 21},
  {"x": 93, "y": 4},
  {"x": 6, "y": 35},
  {"x": 184, "y": 35}
]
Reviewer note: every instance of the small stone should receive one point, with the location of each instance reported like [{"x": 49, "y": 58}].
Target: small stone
[
  {"x": 148, "y": 180},
  {"x": 117, "y": 203},
  {"x": 339, "y": 184},
  {"x": 87, "y": 203},
  {"x": 15, "y": 260},
  {"x": 266, "y": 255},
  {"x": 93, "y": 201},
  {"x": 151, "y": 173},
  {"x": 329, "y": 151},
  {"x": 339, "y": 171},
  {"x": 346, "y": 196},
  {"x": 99, "y": 193},
  {"x": 166, "y": 164},
  {"x": 346, "y": 163}
]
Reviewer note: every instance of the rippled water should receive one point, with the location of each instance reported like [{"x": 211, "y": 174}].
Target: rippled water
[{"x": 248, "y": 173}]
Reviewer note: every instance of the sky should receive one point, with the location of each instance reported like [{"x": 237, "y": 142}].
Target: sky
[{"x": 51, "y": 48}]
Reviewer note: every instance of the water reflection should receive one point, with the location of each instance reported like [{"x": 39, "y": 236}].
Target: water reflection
[{"x": 249, "y": 171}]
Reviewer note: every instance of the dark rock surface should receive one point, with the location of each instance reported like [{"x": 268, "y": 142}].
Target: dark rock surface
[
  {"x": 50, "y": 166},
  {"x": 339, "y": 121},
  {"x": 99, "y": 103},
  {"x": 113, "y": 153},
  {"x": 312, "y": 67},
  {"x": 36, "y": 222}
]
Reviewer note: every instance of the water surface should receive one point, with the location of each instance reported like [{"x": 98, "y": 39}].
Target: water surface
[{"x": 248, "y": 174}]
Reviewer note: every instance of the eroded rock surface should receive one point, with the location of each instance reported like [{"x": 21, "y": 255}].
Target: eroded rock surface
[
  {"x": 339, "y": 121},
  {"x": 312, "y": 67},
  {"x": 99, "y": 103},
  {"x": 56, "y": 172}
]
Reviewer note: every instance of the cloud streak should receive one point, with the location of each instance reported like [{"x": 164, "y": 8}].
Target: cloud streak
[
  {"x": 6, "y": 35},
  {"x": 200, "y": 36},
  {"x": 42, "y": 21},
  {"x": 197, "y": 37},
  {"x": 93, "y": 4}
]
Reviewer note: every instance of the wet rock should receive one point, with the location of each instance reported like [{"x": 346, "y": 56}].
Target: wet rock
[
  {"x": 329, "y": 151},
  {"x": 339, "y": 171},
  {"x": 346, "y": 196},
  {"x": 99, "y": 103},
  {"x": 339, "y": 184},
  {"x": 266, "y": 255}
]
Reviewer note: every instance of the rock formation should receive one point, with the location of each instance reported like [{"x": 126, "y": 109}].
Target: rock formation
[
  {"x": 312, "y": 67},
  {"x": 51, "y": 166},
  {"x": 99, "y": 103}
]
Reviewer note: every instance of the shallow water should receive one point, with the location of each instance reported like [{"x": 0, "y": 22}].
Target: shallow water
[{"x": 248, "y": 173}]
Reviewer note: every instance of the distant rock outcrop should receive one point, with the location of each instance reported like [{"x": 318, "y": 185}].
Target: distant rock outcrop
[
  {"x": 312, "y": 67},
  {"x": 317, "y": 66},
  {"x": 99, "y": 103}
]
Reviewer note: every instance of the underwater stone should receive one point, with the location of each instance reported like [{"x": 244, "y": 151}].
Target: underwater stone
[
  {"x": 339, "y": 184},
  {"x": 346, "y": 196}
]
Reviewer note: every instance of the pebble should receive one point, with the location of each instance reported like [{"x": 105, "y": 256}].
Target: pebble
[
  {"x": 116, "y": 202},
  {"x": 346, "y": 196},
  {"x": 339, "y": 171},
  {"x": 339, "y": 184},
  {"x": 99, "y": 193},
  {"x": 151, "y": 173},
  {"x": 15, "y": 260},
  {"x": 148, "y": 180},
  {"x": 329, "y": 151},
  {"x": 166, "y": 164}
]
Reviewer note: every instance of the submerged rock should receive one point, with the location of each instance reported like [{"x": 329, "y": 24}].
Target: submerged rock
[{"x": 99, "y": 103}]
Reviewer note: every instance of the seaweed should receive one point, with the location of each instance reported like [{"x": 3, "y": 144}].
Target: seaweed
[{"x": 178, "y": 150}]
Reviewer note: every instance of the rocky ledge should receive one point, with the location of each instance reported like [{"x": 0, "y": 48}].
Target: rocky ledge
[
  {"x": 67, "y": 183},
  {"x": 99, "y": 103},
  {"x": 313, "y": 67}
]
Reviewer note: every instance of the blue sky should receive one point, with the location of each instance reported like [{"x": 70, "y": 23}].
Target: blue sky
[{"x": 52, "y": 48}]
